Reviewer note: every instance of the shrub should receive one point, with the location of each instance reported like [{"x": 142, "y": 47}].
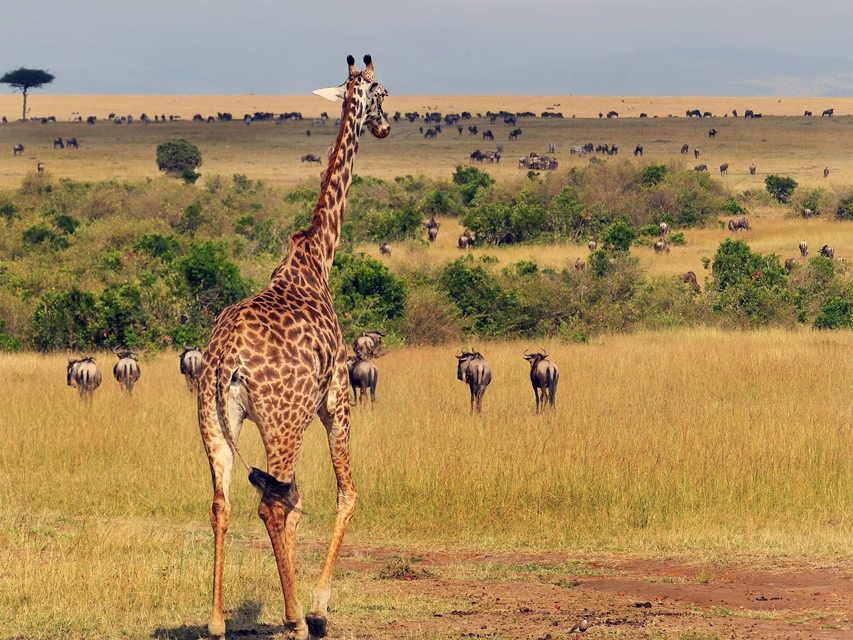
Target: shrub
[
  {"x": 176, "y": 155},
  {"x": 652, "y": 174},
  {"x": 64, "y": 320},
  {"x": 9, "y": 211},
  {"x": 157, "y": 246},
  {"x": 470, "y": 181},
  {"x": 780, "y": 187},
  {"x": 430, "y": 318},
  {"x": 618, "y": 237},
  {"x": 488, "y": 308},
  {"x": 836, "y": 313},
  {"x": 844, "y": 210},
  {"x": 191, "y": 220}
]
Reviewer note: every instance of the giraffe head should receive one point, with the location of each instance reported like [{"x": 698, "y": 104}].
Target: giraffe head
[{"x": 362, "y": 87}]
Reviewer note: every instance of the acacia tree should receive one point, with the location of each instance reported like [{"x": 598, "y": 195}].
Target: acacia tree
[{"x": 24, "y": 79}]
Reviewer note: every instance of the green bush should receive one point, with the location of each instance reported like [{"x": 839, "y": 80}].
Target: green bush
[
  {"x": 64, "y": 321},
  {"x": 844, "y": 210},
  {"x": 836, "y": 313},
  {"x": 470, "y": 181},
  {"x": 780, "y": 187},
  {"x": 618, "y": 237},
  {"x": 176, "y": 155},
  {"x": 652, "y": 174}
]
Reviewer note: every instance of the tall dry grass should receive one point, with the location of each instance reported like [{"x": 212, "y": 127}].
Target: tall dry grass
[{"x": 698, "y": 442}]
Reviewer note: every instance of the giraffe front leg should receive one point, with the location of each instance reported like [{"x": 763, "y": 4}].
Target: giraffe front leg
[{"x": 337, "y": 429}]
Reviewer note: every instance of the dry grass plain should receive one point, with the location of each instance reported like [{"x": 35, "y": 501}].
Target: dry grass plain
[{"x": 705, "y": 472}]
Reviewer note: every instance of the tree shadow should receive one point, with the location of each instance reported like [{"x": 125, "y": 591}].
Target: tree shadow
[{"x": 242, "y": 622}]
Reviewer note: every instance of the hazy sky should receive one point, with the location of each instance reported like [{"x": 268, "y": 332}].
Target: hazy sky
[{"x": 549, "y": 47}]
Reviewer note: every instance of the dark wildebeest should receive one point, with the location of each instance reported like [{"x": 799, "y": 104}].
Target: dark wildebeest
[
  {"x": 664, "y": 228},
  {"x": 513, "y": 135},
  {"x": 695, "y": 153},
  {"x": 367, "y": 344},
  {"x": 748, "y": 113},
  {"x": 488, "y": 135},
  {"x": 804, "y": 249},
  {"x": 592, "y": 246},
  {"x": 685, "y": 148},
  {"x": 827, "y": 252},
  {"x": 700, "y": 167},
  {"x": 430, "y": 133},
  {"x": 191, "y": 366},
  {"x": 661, "y": 245},
  {"x": 638, "y": 150},
  {"x": 712, "y": 133},
  {"x": 724, "y": 168},
  {"x": 385, "y": 249},
  {"x": 71, "y": 143},
  {"x": 544, "y": 376},
  {"x": 84, "y": 376},
  {"x": 580, "y": 265},
  {"x": 827, "y": 112},
  {"x": 790, "y": 263},
  {"x": 18, "y": 148},
  {"x": 690, "y": 278},
  {"x": 752, "y": 169},
  {"x": 40, "y": 167},
  {"x": 431, "y": 223},
  {"x": 742, "y": 223},
  {"x": 826, "y": 172},
  {"x": 473, "y": 370},
  {"x": 807, "y": 213},
  {"x": 57, "y": 142},
  {"x": 126, "y": 370},
  {"x": 432, "y": 233},
  {"x": 807, "y": 114},
  {"x": 362, "y": 375},
  {"x": 310, "y": 157}
]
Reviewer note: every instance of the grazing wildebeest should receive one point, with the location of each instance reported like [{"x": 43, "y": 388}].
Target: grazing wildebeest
[
  {"x": 695, "y": 153},
  {"x": 752, "y": 169},
  {"x": 83, "y": 375},
  {"x": 431, "y": 222},
  {"x": 748, "y": 113},
  {"x": 544, "y": 376},
  {"x": 126, "y": 370},
  {"x": 592, "y": 246},
  {"x": 488, "y": 135},
  {"x": 310, "y": 157},
  {"x": 690, "y": 278},
  {"x": 18, "y": 148},
  {"x": 472, "y": 129},
  {"x": 638, "y": 150},
  {"x": 612, "y": 114},
  {"x": 707, "y": 114},
  {"x": 826, "y": 172},
  {"x": 513, "y": 135},
  {"x": 804, "y": 249},
  {"x": 473, "y": 370},
  {"x": 367, "y": 344},
  {"x": 190, "y": 360},
  {"x": 724, "y": 168},
  {"x": 742, "y": 223},
  {"x": 308, "y": 133},
  {"x": 40, "y": 167},
  {"x": 827, "y": 112},
  {"x": 661, "y": 245},
  {"x": 685, "y": 148},
  {"x": 460, "y": 129},
  {"x": 712, "y": 133},
  {"x": 71, "y": 143},
  {"x": 385, "y": 249},
  {"x": 363, "y": 375},
  {"x": 807, "y": 213},
  {"x": 734, "y": 112},
  {"x": 807, "y": 114},
  {"x": 700, "y": 167},
  {"x": 580, "y": 265},
  {"x": 432, "y": 233},
  {"x": 827, "y": 252},
  {"x": 790, "y": 263},
  {"x": 430, "y": 133},
  {"x": 694, "y": 112},
  {"x": 664, "y": 228},
  {"x": 57, "y": 142}
]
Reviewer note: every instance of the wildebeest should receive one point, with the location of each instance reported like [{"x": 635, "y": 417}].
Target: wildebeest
[
  {"x": 807, "y": 114},
  {"x": 432, "y": 233},
  {"x": 473, "y": 370},
  {"x": 827, "y": 252},
  {"x": 18, "y": 148},
  {"x": 513, "y": 135},
  {"x": 580, "y": 265},
  {"x": 363, "y": 375},
  {"x": 83, "y": 375},
  {"x": 71, "y": 143},
  {"x": 827, "y": 112},
  {"x": 612, "y": 114},
  {"x": 544, "y": 376},
  {"x": 790, "y": 263},
  {"x": 712, "y": 133},
  {"x": 724, "y": 168},
  {"x": 826, "y": 172},
  {"x": 488, "y": 135},
  {"x": 40, "y": 167},
  {"x": 804, "y": 249},
  {"x": 592, "y": 246},
  {"x": 367, "y": 344},
  {"x": 748, "y": 113},
  {"x": 664, "y": 228},
  {"x": 700, "y": 167},
  {"x": 685, "y": 148},
  {"x": 742, "y": 223},
  {"x": 310, "y": 157},
  {"x": 752, "y": 169},
  {"x": 638, "y": 150},
  {"x": 661, "y": 245},
  {"x": 190, "y": 360},
  {"x": 126, "y": 370},
  {"x": 807, "y": 213},
  {"x": 466, "y": 240},
  {"x": 430, "y": 133},
  {"x": 690, "y": 278},
  {"x": 385, "y": 249},
  {"x": 696, "y": 153},
  {"x": 57, "y": 142}
]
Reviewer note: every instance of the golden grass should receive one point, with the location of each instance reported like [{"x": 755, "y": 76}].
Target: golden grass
[
  {"x": 699, "y": 442},
  {"x": 796, "y": 146}
]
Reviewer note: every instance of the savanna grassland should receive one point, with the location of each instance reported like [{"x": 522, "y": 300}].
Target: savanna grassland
[{"x": 692, "y": 483}]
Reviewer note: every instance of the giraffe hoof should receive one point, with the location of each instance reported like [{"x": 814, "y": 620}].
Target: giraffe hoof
[{"x": 316, "y": 625}]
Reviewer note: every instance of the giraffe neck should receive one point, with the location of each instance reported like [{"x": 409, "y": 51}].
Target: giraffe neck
[{"x": 325, "y": 230}]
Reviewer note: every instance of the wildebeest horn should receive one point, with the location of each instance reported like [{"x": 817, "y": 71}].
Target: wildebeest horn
[
  {"x": 116, "y": 350},
  {"x": 544, "y": 353}
]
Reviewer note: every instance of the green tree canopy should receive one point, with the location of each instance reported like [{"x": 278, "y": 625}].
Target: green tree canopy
[
  {"x": 24, "y": 79},
  {"x": 176, "y": 155}
]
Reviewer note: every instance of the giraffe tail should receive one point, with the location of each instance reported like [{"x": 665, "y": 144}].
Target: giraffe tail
[{"x": 271, "y": 489}]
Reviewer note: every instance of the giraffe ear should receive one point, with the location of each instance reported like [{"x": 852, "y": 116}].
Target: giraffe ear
[{"x": 331, "y": 93}]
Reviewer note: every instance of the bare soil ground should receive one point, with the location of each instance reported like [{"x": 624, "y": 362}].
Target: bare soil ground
[{"x": 542, "y": 595}]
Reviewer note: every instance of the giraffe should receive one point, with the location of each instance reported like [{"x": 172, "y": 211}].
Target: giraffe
[{"x": 278, "y": 358}]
